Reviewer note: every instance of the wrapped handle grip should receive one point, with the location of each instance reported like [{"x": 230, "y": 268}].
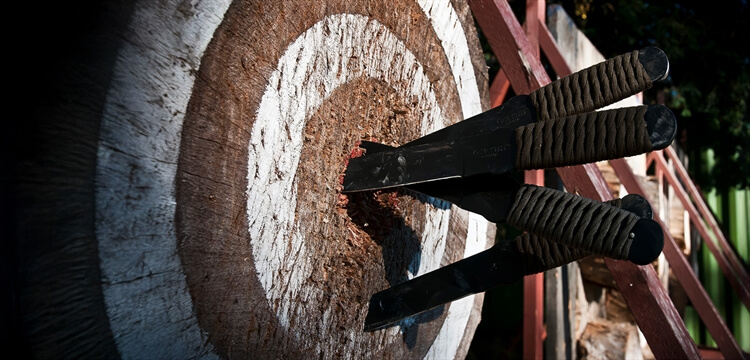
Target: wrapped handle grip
[
  {"x": 601, "y": 84},
  {"x": 539, "y": 255},
  {"x": 594, "y": 136},
  {"x": 583, "y": 223}
]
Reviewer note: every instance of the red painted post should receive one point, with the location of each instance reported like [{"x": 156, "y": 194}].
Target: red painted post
[
  {"x": 533, "y": 297},
  {"x": 655, "y": 314},
  {"x": 499, "y": 89},
  {"x": 533, "y": 316},
  {"x": 533, "y": 324}
]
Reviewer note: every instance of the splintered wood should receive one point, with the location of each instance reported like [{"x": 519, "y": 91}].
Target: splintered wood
[{"x": 283, "y": 95}]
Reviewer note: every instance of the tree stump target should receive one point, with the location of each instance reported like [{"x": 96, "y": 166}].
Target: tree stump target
[{"x": 218, "y": 228}]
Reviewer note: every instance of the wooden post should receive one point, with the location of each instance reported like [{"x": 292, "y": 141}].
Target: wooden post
[
  {"x": 533, "y": 325},
  {"x": 533, "y": 296},
  {"x": 499, "y": 89}
]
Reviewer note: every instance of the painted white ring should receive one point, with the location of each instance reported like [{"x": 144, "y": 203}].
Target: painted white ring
[
  {"x": 447, "y": 27},
  {"x": 137, "y": 245},
  {"x": 331, "y": 53},
  {"x": 145, "y": 291}
]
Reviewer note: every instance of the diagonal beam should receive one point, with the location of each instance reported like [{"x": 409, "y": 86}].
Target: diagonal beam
[
  {"x": 684, "y": 273},
  {"x": 737, "y": 283},
  {"x": 549, "y": 47},
  {"x": 700, "y": 202},
  {"x": 510, "y": 45}
]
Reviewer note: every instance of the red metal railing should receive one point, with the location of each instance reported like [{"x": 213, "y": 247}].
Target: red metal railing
[{"x": 518, "y": 53}]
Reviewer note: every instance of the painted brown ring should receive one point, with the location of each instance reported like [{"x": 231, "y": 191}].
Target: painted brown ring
[{"x": 124, "y": 224}]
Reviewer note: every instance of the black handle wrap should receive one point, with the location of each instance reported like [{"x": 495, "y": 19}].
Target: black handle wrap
[
  {"x": 591, "y": 88},
  {"x": 572, "y": 220},
  {"x": 543, "y": 255},
  {"x": 583, "y": 138}
]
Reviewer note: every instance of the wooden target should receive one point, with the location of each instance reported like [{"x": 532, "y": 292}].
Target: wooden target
[{"x": 217, "y": 227}]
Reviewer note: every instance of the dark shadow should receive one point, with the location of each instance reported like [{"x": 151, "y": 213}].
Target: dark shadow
[
  {"x": 52, "y": 300},
  {"x": 499, "y": 334},
  {"x": 429, "y": 200},
  {"x": 410, "y": 326},
  {"x": 377, "y": 214}
]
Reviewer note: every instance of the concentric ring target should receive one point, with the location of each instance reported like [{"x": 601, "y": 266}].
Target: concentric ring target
[{"x": 219, "y": 226}]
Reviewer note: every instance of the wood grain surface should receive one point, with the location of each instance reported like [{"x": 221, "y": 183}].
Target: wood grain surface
[{"x": 204, "y": 216}]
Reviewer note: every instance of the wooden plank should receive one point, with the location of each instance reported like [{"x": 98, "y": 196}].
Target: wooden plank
[
  {"x": 499, "y": 89},
  {"x": 656, "y": 313},
  {"x": 739, "y": 286},
  {"x": 708, "y": 216},
  {"x": 556, "y": 309},
  {"x": 533, "y": 295},
  {"x": 684, "y": 273},
  {"x": 509, "y": 44}
]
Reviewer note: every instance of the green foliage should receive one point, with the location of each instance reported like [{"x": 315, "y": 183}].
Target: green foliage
[{"x": 708, "y": 44}]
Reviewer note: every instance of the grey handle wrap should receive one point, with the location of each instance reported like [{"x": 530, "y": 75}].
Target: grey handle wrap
[
  {"x": 584, "y": 138},
  {"x": 574, "y": 221},
  {"x": 591, "y": 88}
]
